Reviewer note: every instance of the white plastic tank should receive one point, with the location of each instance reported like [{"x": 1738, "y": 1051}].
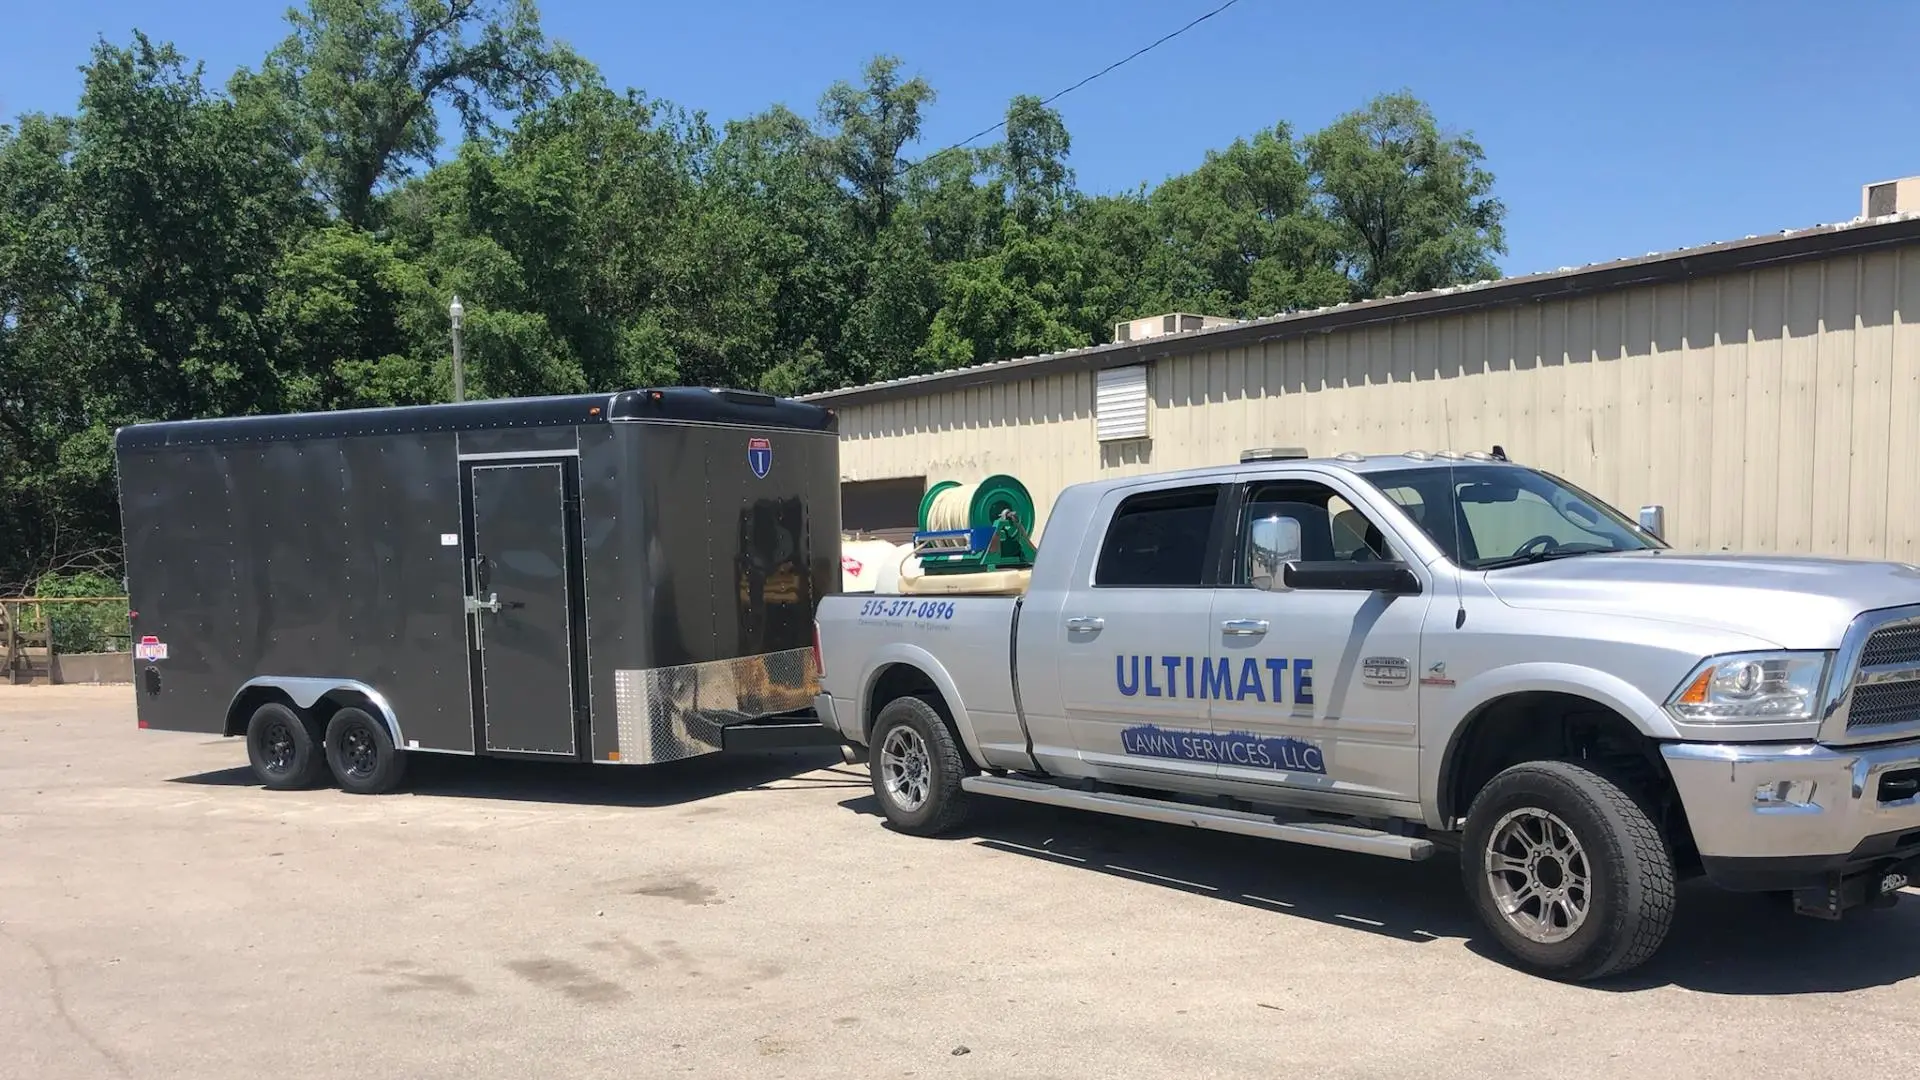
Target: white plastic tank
[
  {"x": 902, "y": 564},
  {"x": 864, "y": 562}
]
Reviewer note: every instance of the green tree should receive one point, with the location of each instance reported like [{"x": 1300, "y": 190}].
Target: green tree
[
  {"x": 1412, "y": 207},
  {"x": 360, "y": 80},
  {"x": 1248, "y": 239},
  {"x": 140, "y": 240},
  {"x": 870, "y": 125},
  {"x": 356, "y": 324}
]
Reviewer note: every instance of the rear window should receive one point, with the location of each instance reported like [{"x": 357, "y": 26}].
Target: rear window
[{"x": 1159, "y": 539}]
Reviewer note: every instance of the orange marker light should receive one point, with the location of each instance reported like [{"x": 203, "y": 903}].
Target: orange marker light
[
  {"x": 1697, "y": 693},
  {"x": 613, "y": 755}
]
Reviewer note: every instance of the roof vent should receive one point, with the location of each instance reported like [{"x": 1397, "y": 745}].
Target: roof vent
[
  {"x": 1175, "y": 322},
  {"x": 1273, "y": 453},
  {"x": 1891, "y": 197}
]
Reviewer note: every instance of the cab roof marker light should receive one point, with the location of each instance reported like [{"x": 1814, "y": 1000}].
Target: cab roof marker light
[
  {"x": 1349, "y": 455},
  {"x": 1274, "y": 453}
]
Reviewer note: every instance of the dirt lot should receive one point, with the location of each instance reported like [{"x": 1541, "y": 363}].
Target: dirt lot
[{"x": 162, "y": 916}]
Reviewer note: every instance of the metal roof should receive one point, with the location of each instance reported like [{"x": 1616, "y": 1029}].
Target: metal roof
[{"x": 1729, "y": 256}]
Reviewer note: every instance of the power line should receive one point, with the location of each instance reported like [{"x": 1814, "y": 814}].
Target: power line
[{"x": 1136, "y": 54}]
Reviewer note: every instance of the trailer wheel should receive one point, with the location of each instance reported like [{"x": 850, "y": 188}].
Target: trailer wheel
[
  {"x": 361, "y": 753},
  {"x": 284, "y": 748},
  {"x": 1568, "y": 870},
  {"x": 916, "y": 768}
]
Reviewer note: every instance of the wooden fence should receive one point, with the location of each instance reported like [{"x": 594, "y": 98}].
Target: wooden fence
[{"x": 27, "y": 634}]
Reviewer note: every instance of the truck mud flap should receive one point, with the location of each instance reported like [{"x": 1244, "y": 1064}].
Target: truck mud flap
[{"x": 1879, "y": 887}]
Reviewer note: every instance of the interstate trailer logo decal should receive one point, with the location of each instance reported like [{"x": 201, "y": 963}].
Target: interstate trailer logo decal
[
  {"x": 1281, "y": 753},
  {"x": 760, "y": 457}
]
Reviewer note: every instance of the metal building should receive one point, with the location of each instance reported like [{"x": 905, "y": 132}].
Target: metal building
[{"x": 1765, "y": 390}]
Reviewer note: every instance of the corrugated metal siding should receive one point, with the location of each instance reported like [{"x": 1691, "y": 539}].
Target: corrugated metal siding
[{"x": 1776, "y": 410}]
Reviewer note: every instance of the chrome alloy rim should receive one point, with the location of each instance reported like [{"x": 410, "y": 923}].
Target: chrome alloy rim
[
  {"x": 1539, "y": 874},
  {"x": 905, "y": 768}
]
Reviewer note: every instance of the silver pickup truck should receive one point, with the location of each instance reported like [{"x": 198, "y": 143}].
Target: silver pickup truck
[{"x": 1402, "y": 654}]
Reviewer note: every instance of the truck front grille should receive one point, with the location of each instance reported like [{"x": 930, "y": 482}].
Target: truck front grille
[
  {"x": 1893, "y": 645},
  {"x": 1884, "y": 704},
  {"x": 1875, "y": 696}
]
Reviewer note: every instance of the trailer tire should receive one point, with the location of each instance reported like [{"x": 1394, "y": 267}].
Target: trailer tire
[
  {"x": 361, "y": 753},
  {"x": 916, "y": 767},
  {"x": 1547, "y": 838},
  {"x": 284, "y": 749}
]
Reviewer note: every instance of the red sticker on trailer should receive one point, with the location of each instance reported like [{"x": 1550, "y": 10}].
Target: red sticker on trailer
[{"x": 150, "y": 648}]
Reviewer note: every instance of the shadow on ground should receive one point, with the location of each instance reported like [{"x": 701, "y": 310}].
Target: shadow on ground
[
  {"x": 1721, "y": 943},
  {"x": 666, "y": 784}
]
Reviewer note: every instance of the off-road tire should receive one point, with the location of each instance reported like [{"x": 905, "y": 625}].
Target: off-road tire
[
  {"x": 1630, "y": 864},
  {"x": 946, "y": 804},
  {"x": 362, "y": 755},
  {"x": 270, "y": 730}
]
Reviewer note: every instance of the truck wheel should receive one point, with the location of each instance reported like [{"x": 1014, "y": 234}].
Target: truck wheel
[
  {"x": 1567, "y": 870},
  {"x": 916, "y": 768},
  {"x": 361, "y": 753},
  {"x": 283, "y": 749}
]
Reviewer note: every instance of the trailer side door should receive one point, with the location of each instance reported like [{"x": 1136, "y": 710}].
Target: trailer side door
[{"x": 524, "y": 603}]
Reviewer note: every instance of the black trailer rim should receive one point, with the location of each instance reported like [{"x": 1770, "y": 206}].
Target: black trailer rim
[
  {"x": 358, "y": 752},
  {"x": 277, "y": 749}
]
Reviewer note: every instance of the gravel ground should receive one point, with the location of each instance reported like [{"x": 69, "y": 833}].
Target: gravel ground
[{"x": 163, "y": 916}]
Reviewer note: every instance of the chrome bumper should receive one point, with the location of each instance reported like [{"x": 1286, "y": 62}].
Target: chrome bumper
[{"x": 1747, "y": 801}]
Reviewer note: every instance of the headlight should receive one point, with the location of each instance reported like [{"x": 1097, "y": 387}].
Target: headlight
[{"x": 1752, "y": 687}]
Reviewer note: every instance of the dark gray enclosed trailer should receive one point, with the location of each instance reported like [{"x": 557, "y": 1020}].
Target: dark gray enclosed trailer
[{"x": 623, "y": 577}]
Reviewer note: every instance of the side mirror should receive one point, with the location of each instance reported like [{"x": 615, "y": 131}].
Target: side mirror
[
  {"x": 1390, "y": 578},
  {"x": 1275, "y": 542},
  {"x": 1653, "y": 520}
]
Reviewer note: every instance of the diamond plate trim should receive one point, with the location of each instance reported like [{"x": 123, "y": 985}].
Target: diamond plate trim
[{"x": 669, "y": 713}]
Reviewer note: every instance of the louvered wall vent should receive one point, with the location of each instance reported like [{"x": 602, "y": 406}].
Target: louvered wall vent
[{"x": 1120, "y": 403}]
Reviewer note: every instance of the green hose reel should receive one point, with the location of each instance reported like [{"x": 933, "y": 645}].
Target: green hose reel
[{"x": 971, "y": 528}]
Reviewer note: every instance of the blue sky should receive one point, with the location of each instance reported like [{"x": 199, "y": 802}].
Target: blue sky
[{"x": 1613, "y": 129}]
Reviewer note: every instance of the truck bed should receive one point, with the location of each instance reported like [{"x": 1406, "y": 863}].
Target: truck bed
[{"x": 972, "y": 636}]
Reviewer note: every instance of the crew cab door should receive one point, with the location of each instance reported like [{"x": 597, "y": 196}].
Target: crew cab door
[
  {"x": 1134, "y": 625},
  {"x": 1324, "y": 680}
]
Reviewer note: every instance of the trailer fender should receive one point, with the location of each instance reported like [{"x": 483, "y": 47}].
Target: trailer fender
[{"x": 307, "y": 689}]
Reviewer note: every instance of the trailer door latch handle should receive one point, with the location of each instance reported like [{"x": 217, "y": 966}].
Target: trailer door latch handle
[{"x": 490, "y": 604}]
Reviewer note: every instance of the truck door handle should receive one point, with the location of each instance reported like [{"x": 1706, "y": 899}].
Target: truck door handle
[
  {"x": 1244, "y": 627},
  {"x": 491, "y": 603},
  {"x": 1084, "y": 624}
]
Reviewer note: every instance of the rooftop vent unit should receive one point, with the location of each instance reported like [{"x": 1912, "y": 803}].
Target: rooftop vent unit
[
  {"x": 1273, "y": 453},
  {"x": 1891, "y": 197},
  {"x": 1177, "y": 322}
]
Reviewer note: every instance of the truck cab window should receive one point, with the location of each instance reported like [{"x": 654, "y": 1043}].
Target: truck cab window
[
  {"x": 1159, "y": 538},
  {"x": 1305, "y": 521},
  {"x": 1486, "y": 517}
]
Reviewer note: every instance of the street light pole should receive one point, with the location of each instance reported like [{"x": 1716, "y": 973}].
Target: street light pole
[{"x": 456, "y": 312}]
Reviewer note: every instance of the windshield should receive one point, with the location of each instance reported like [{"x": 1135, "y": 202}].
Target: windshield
[{"x": 1488, "y": 516}]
